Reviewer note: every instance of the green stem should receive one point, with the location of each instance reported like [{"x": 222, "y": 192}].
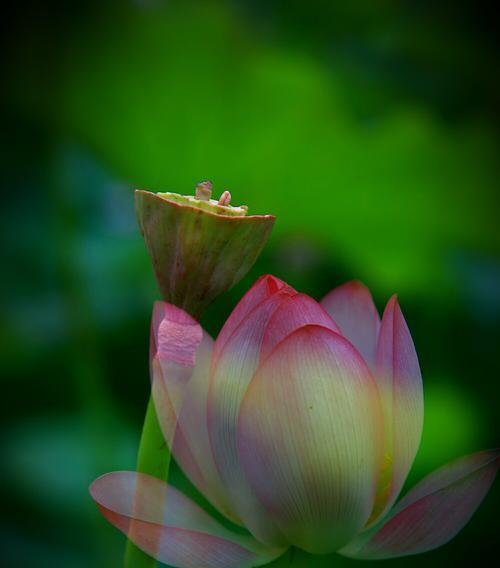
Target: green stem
[{"x": 154, "y": 459}]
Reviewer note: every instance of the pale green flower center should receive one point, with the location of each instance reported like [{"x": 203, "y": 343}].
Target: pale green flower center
[{"x": 202, "y": 200}]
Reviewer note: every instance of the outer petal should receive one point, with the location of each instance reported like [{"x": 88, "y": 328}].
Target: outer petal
[
  {"x": 310, "y": 438},
  {"x": 400, "y": 384},
  {"x": 175, "y": 335},
  {"x": 191, "y": 447},
  {"x": 433, "y": 512},
  {"x": 170, "y": 527},
  {"x": 351, "y": 307},
  {"x": 234, "y": 364},
  {"x": 180, "y": 364},
  {"x": 175, "y": 338}
]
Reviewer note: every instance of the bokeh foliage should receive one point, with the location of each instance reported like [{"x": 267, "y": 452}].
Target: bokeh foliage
[{"x": 369, "y": 129}]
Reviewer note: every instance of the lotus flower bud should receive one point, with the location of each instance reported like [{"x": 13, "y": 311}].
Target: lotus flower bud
[{"x": 199, "y": 247}]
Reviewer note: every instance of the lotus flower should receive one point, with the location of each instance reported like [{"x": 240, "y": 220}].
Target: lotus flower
[{"x": 300, "y": 423}]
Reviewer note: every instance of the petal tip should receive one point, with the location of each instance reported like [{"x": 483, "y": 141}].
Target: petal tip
[
  {"x": 392, "y": 302},
  {"x": 272, "y": 282},
  {"x": 351, "y": 286}
]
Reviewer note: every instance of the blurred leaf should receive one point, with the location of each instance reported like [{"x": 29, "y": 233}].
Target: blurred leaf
[
  {"x": 53, "y": 460},
  {"x": 453, "y": 427},
  {"x": 392, "y": 197}
]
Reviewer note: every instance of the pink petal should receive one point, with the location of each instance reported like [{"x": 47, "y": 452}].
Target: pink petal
[
  {"x": 351, "y": 307},
  {"x": 263, "y": 288},
  {"x": 433, "y": 512},
  {"x": 170, "y": 527},
  {"x": 310, "y": 438},
  {"x": 294, "y": 312},
  {"x": 400, "y": 385},
  {"x": 175, "y": 338},
  {"x": 191, "y": 447},
  {"x": 180, "y": 363},
  {"x": 175, "y": 335},
  {"x": 234, "y": 364}
]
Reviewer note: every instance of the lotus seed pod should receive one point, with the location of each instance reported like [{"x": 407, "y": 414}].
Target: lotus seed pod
[{"x": 199, "y": 247}]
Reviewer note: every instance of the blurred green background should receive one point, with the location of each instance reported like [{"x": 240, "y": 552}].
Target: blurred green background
[{"x": 371, "y": 129}]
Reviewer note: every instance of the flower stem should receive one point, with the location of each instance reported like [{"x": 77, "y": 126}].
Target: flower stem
[{"x": 154, "y": 459}]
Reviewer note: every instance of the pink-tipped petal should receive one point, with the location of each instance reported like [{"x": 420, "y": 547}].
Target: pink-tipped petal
[
  {"x": 170, "y": 527},
  {"x": 233, "y": 367},
  {"x": 175, "y": 338},
  {"x": 296, "y": 311},
  {"x": 175, "y": 335},
  {"x": 351, "y": 307},
  {"x": 264, "y": 287},
  {"x": 310, "y": 438},
  {"x": 180, "y": 364},
  {"x": 433, "y": 512},
  {"x": 400, "y": 385}
]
